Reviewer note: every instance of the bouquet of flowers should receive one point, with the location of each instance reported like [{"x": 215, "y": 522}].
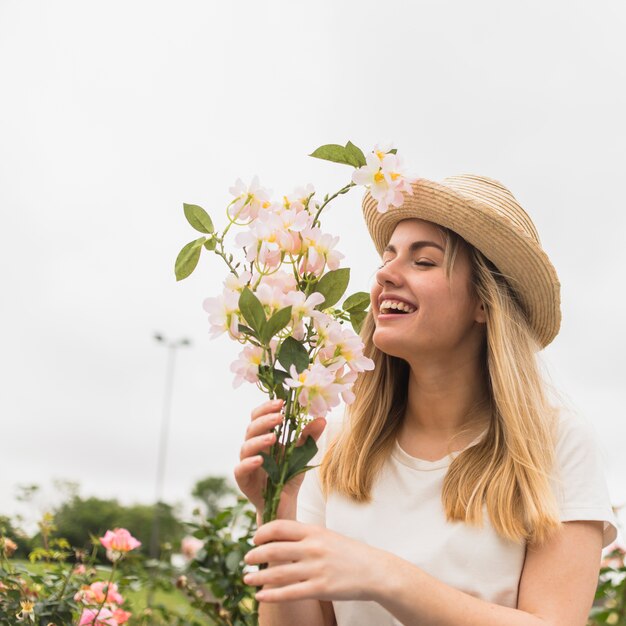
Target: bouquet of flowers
[{"x": 280, "y": 300}]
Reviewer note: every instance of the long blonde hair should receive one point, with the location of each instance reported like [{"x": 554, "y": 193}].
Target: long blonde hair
[{"x": 508, "y": 470}]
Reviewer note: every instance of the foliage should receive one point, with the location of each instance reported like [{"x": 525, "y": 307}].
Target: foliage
[
  {"x": 77, "y": 519},
  {"x": 610, "y": 602},
  {"x": 211, "y": 491},
  {"x": 213, "y": 580}
]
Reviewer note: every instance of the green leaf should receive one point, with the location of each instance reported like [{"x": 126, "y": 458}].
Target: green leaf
[
  {"x": 356, "y": 156},
  {"x": 331, "y": 152},
  {"x": 252, "y": 310},
  {"x": 393, "y": 151},
  {"x": 358, "y": 301},
  {"x": 347, "y": 155},
  {"x": 198, "y": 218},
  {"x": 333, "y": 285},
  {"x": 279, "y": 380},
  {"x": 306, "y": 468},
  {"x": 280, "y": 393},
  {"x": 300, "y": 456},
  {"x": 276, "y": 323},
  {"x": 269, "y": 465},
  {"x": 187, "y": 258},
  {"x": 246, "y": 330},
  {"x": 209, "y": 244},
  {"x": 292, "y": 352},
  {"x": 232, "y": 561},
  {"x": 356, "y": 319}
]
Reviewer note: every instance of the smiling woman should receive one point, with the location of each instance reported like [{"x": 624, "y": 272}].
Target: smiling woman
[{"x": 454, "y": 491}]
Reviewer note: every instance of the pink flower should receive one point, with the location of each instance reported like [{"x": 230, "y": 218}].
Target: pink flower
[
  {"x": 248, "y": 200},
  {"x": 94, "y": 594},
  {"x": 614, "y": 555},
  {"x": 318, "y": 392},
  {"x": 80, "y": 569},
  {"x": 121, "y": 616},
  {"x": 190, "y": 546},
  {"x": 345, "y": 346},
  {"x": 118, "y": 542},
  {"x": 104, "y": 618},
  {"x": 223, "y": 314},
  {"x": 302, "y": 307},
  {"x": 319, "y": 252},
  {"x": 383, "y": 176},
  {"x": 246, "y": 367}
]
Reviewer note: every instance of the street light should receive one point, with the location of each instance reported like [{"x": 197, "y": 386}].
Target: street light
[{"x": 172, "y": 347}]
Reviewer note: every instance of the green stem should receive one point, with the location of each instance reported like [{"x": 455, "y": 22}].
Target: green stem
[
  {"x": 328, "y": 199},
  {"x": 106, "y": 592},
  {"x": 65, "y": 583}
]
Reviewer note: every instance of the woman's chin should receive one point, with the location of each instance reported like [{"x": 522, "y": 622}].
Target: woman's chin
[{"x": 393, "y": 346}]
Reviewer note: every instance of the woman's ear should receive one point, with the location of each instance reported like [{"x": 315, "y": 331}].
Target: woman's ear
[{"x": 480, "y": 315}]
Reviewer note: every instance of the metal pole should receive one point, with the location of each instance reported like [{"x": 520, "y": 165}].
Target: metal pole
[
  {"x": 172, "y": 346},
  {"x": 162, "y": 450}
]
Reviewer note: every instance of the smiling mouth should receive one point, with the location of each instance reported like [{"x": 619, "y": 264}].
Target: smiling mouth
[
  {"x": 389, "y": 313},
  {"x": 389, "y": 307}
]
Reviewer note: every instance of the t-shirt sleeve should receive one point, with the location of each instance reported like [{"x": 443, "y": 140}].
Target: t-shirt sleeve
[
  {"x": 579, "y": 480},
  {"x": 311, "y": 501}
]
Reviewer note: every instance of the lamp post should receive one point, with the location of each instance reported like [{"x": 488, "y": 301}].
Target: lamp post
[{"x": 172, "y": 347}]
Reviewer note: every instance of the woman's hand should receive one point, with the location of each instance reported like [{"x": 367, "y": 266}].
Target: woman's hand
[
  {"x": 313, "y": 562},
  {"x": 260, "y": 436}
]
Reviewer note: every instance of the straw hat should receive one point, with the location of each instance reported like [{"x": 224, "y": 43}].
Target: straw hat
[{"x": 485, "y": 213}]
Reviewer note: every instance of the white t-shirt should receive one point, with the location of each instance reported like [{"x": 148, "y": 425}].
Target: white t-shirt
[{"x": 406, "y": 517}]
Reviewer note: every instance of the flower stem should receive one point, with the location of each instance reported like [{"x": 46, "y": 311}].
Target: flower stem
[
  {"x": 106, "y": 593},
  {"x": 328, "y": 199}
]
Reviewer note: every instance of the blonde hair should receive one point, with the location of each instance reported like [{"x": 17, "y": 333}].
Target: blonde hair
[{"x": 508, "y": 470}]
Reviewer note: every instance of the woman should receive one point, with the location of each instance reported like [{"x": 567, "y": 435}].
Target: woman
[{"x": 454, "y": 493}]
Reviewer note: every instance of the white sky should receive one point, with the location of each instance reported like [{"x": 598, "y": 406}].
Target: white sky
[{"x": 115, "y": 113}]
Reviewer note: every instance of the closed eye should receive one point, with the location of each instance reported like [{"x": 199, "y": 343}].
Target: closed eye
[{"x": 424, "y": 263}]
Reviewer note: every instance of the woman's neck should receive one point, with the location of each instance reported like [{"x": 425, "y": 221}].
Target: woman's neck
[{"x": 446, "y": 398}]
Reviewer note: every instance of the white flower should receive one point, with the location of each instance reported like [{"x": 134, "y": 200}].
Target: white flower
[
  {"x": 272, "y": 297},
  {"x": 261, "y": 240},
  {"x": 383, "y": 175},
  {"x": 346, "y": 380},
  {"x": 223, "y": 314},
  {"x": 285, "y": 281},
  {"x": 318, "y": 251},
  {"x": 248, "y": 200},
  {"x": 345, "y": 346},
  {"x": 234, "y": 283},
  {"x": 246, "y": 367},
  {"x": 319, "y": 392},
  {"x": 299, "y": 198},
  {"x": 301, "y": 307},
  {"x": 326, "y": 329}
]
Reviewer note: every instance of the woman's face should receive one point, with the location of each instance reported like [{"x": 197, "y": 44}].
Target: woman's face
[{"x": 443, "y": 316}]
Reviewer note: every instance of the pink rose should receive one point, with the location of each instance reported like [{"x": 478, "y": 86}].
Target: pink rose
[
  {"x": 104, "y": 618},
  {"x": 117, "y": 542},
  {"x": 190, "y": 547}
]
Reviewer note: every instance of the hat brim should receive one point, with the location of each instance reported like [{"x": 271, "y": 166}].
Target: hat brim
[{"x": 517, "y": 256}]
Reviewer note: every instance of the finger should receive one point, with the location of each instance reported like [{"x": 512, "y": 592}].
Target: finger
[
  {"x": 298, "y": 591},
  {"x": 247, "y": 467},
  {"x": 280, "y": 530},
  {"x": 284, "y": 574},
  {"x": 266, "y": 407},
  {"x": 263, "y": 424},
  {"x": 284, "y": 551},
  {"x": 314, "y": 428},
  {"x": 256, "y": 445}
]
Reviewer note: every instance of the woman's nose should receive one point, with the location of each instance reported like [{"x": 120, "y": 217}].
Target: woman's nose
[{"x": 389, "y": 273}]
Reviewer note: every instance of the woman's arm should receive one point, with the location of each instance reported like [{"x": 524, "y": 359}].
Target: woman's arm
[{"x": 556, "y": 589}]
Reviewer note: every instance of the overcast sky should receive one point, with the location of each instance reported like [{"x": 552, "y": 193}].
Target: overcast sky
[{"x": 115, "y": 113}]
